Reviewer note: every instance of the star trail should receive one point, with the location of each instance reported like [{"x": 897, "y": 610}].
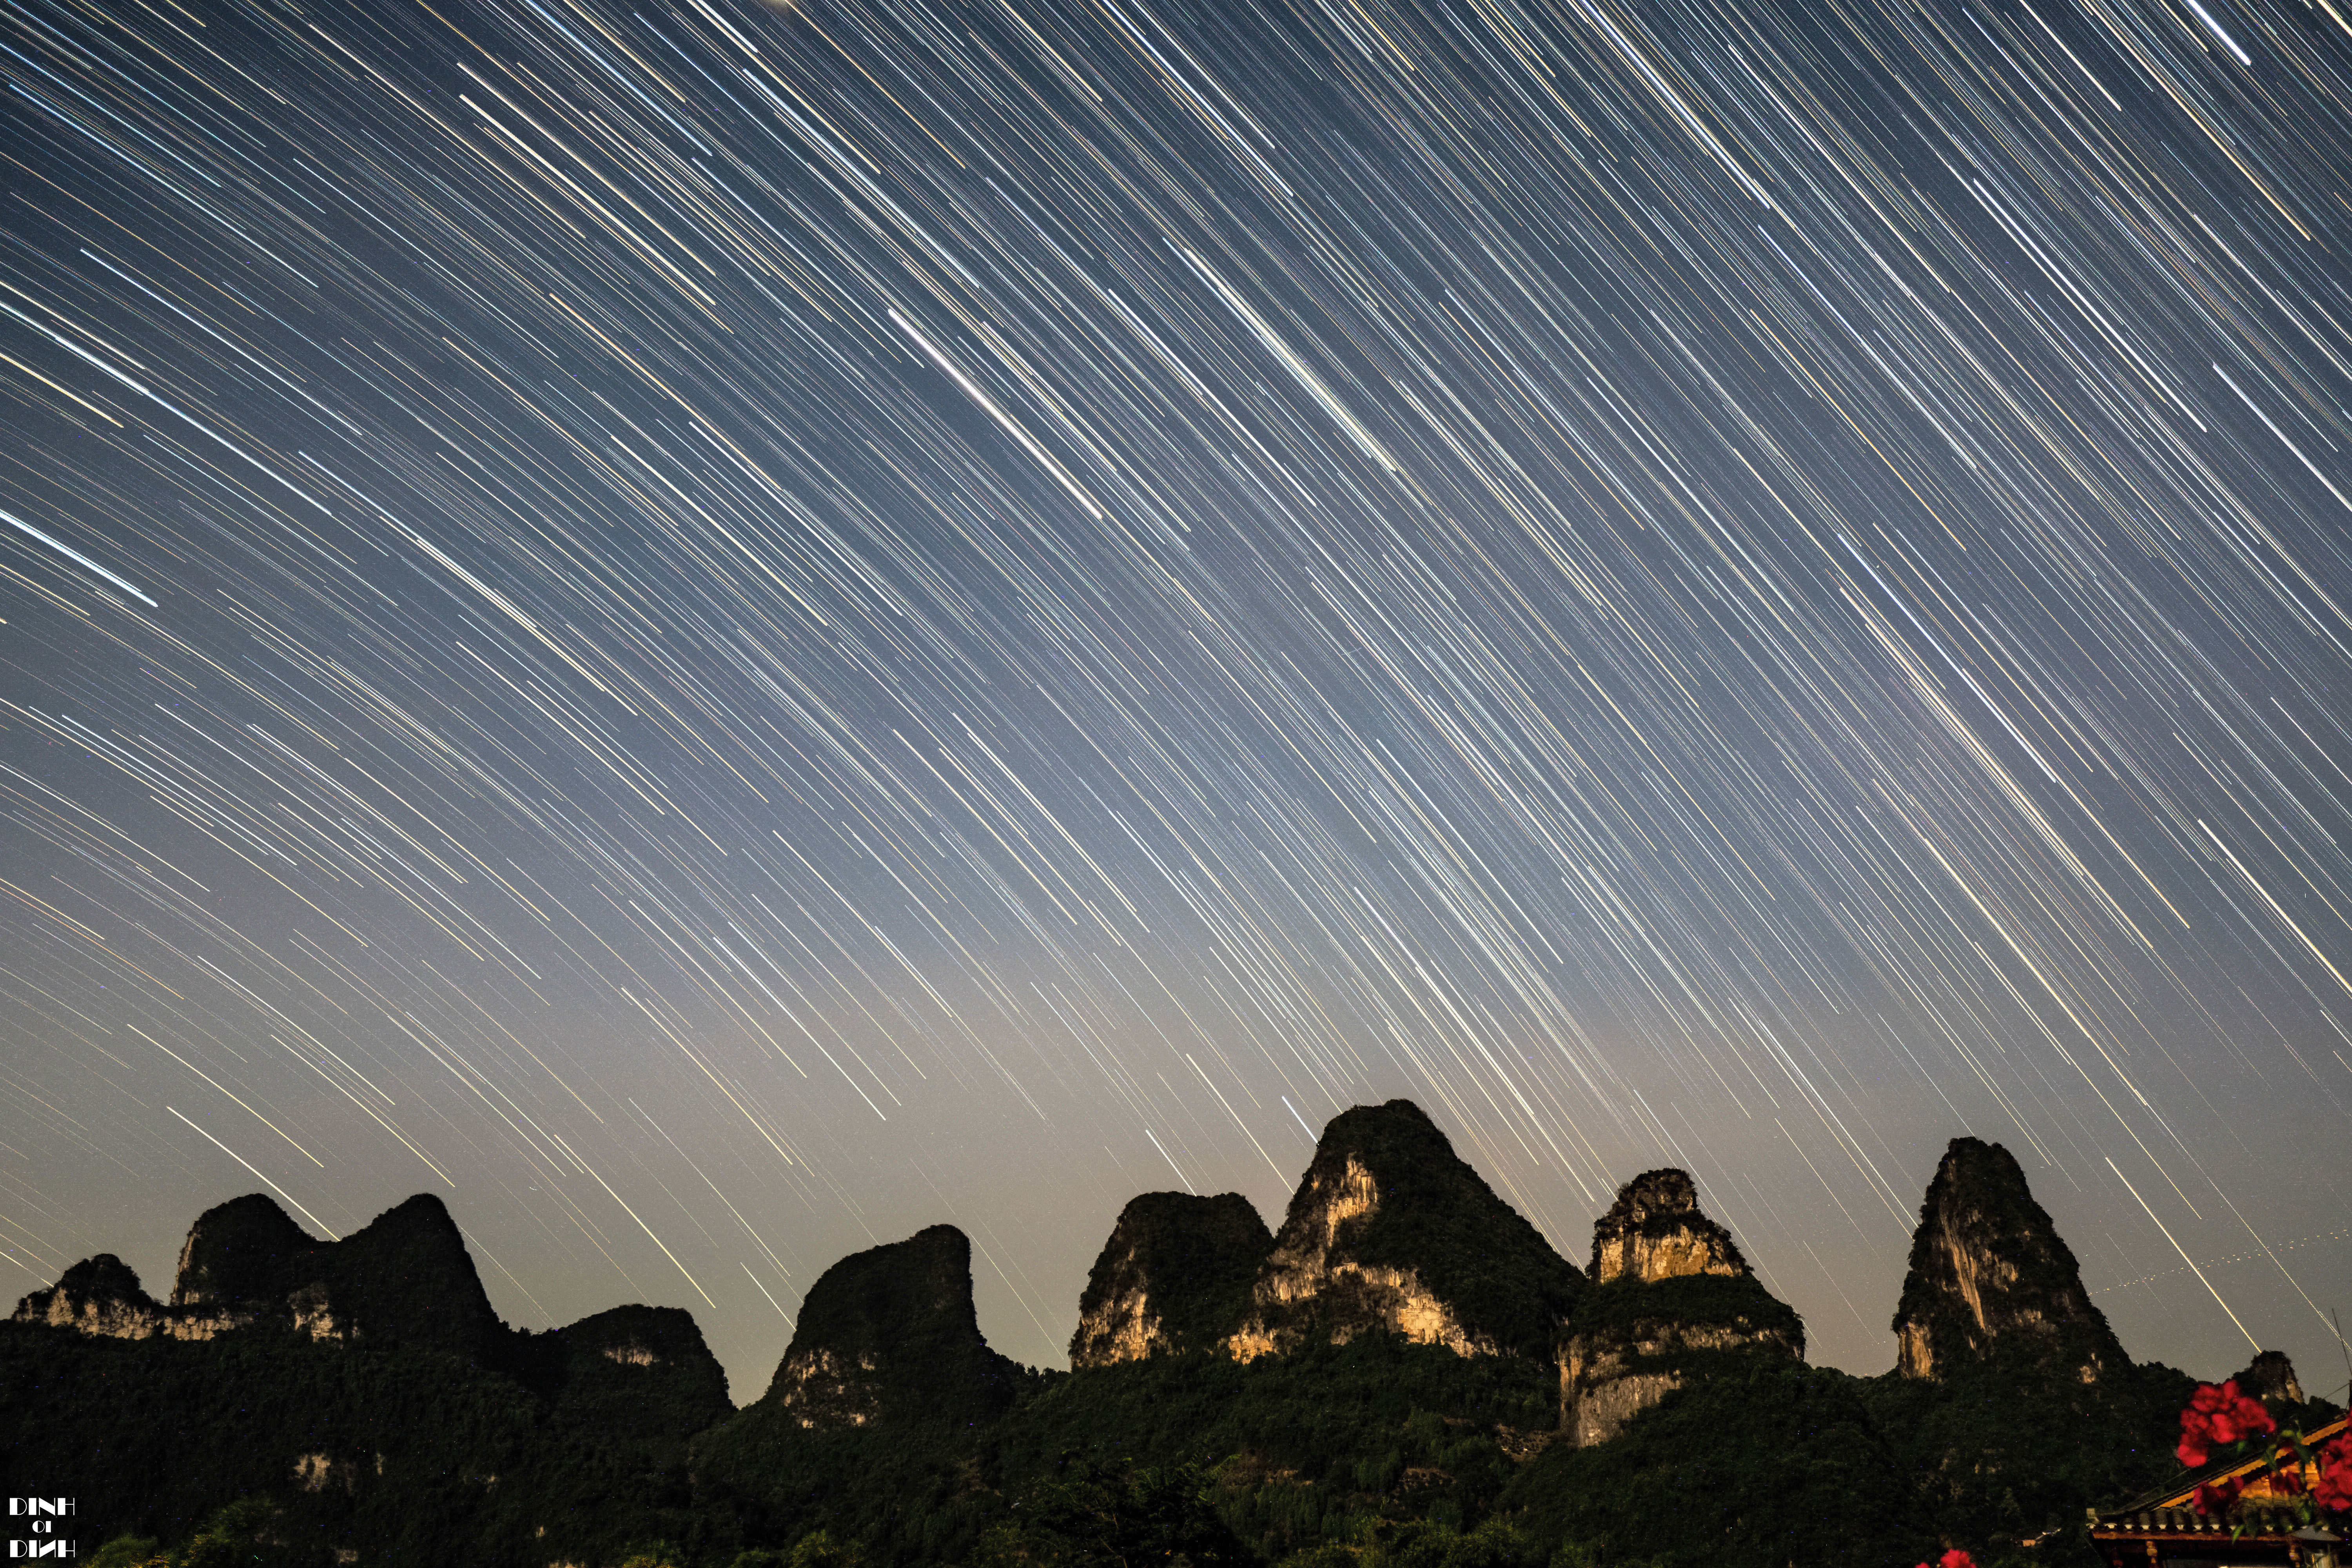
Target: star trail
[{"x": 719, "y": 631}]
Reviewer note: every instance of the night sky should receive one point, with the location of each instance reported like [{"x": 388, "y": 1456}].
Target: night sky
[{"x": 719, "y": 631}]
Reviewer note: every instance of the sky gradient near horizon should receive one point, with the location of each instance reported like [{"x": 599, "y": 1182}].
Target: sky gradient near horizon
[{"x": 720, "y": 631}]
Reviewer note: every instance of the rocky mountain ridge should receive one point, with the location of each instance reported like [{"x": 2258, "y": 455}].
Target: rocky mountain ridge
[
  {"x": 102, "y": 1296},
  {"x": 890, "y": 1335},
  {"x": 1406, "y": 1337},
  {"x": 1673, "y": 1297},
  {"x": 1391, "y": 1231},
  {"x": 406, "y": 1278},
  {"x": 405, "y": 1281},
  {"x": 1174, "y": 1277},
  {"x": 1388, "y": 1231},
  {"x": 1989, "y": 1277}
]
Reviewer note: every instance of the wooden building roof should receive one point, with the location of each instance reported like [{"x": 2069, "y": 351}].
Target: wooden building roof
[{"x": 2164, "y": 1528}]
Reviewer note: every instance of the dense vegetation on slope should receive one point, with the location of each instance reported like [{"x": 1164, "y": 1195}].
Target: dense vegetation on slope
[
  {"x": 1299, "y": 1449},
  {"x": 1690, "y": 1302},
  {"x": 1437, "y": 1217},
  {"x": 1376, "y": 1454},
  {"x": 1188, "y": 1261},
  {"x": 1379, "y": 1453},
  {"x": 414, "y": 1429},
  {"x": 424, "y": 1458}
]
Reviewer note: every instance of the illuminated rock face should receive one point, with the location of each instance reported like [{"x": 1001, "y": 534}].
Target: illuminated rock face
[
  {"x": 1607, "y": 1379},
  {"x": 406, "y": 1279},
  {"x": 1989, "y": 1277},
  {"x": 1174, "y": 1277},
  {"x": 889, "y": 1337},
  {"x": 1673, "y": 1297},
  {"x": 1310, "y": 1273},
  {"x": 1655, "y": 1231},
  {"x": 1390, "y": 1232},
  {"x": 2271, "y": 1375},
  {"x": 102, "y": 1297}
]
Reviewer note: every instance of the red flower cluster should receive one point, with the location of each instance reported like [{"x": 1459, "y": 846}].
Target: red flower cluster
[
  {"x": 1956, "y": 1558},
  {"x": 2334, "y": 1491},
  {"x": 2215, "y": 1498},
  {"x": 2218, "y": 1416}
]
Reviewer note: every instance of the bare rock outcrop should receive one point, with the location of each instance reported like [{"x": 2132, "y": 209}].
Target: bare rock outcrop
[
  {"x": 1391, "y": 1232},
  {"x": 237, "y": 1255},
  {"x": 1672, "y": 1297},
  {"x": 2270, "y": 1376},
  {"x": 1655, "y": 1231},
  {"x": 1611, "y": 1373},
  {"x": 99, "y": 1296},
  {"x": 1990, "y": 1278},
  {"x": 889, "y": 1337},
  {"x": 1174, "y": 1277},
  {"x": 102, "y": 1297},
  {"x": 406, "y": 1278}
]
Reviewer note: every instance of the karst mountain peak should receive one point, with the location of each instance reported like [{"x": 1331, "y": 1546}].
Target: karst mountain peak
[
  {"x": 1174, "y": 1277},
  {"x": 890, "y": 1335},
  {"x": 1390, "y": 1230},
  {"x": 1403, "y": 1317},
  {"x": 1673, "y": 1299},
  {"x": 1990, "y": 1278}
]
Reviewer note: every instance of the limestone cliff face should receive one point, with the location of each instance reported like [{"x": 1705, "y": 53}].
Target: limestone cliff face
[
  {"x": 1672, "y": 1297},
  {"x": 1174, "y": 1277},
  {"x": 1989, "y": 1277},
  {"x": 235, "y": 1256},
  {"x": 102, "y": 1297},
  {"x": 889, "y": 1337},
  {"x": 406, "y": 1279},
  {"x": 1391, "y": 1232},
  {"x": 1655, "y": 1231},
  {"x": 1312, "y": 1273},
  {"x": 99, "y": 1296},
  {"x": 1607, "y": 1377},
  {"x": 2270, "y": 1376}
]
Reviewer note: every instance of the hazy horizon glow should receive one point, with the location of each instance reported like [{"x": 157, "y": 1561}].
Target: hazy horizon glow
[{"x": 720, "y": 631}]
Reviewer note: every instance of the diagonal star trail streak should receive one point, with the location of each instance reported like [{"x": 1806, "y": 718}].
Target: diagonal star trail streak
[{"x": 749, "y": 621}]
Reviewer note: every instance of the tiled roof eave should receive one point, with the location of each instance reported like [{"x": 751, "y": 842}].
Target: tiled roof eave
[
  {"x": 2266, "y": 1527},
  {"x": 2178, "y": 1492}
]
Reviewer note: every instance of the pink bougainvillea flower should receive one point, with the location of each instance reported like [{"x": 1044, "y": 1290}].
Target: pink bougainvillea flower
[
  {"x": 1955, "y": 1558},
  {"x": 2210, "y": 1397},
  {"x": 2333, "y": 1488},
  {"x": 2334, "y": 1491},
  {"x": 2218, "y": 1416},
  {"x": 2215, "y": 1498}
]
